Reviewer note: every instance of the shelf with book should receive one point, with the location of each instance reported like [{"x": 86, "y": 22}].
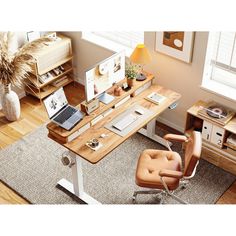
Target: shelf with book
[
  {"x": 52, "y": 63},
  {"x": 48, "y": 89},
  {"x": 35, "y": 80}
]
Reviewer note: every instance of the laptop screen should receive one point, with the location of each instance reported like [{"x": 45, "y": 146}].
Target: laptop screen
[{"x": 55, "y": 102}]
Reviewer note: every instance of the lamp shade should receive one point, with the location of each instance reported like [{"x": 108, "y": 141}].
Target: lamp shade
[{"x": 140, "y": 55}]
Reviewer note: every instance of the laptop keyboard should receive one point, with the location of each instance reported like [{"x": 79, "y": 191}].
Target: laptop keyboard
[{"x": 65, "y": 115}]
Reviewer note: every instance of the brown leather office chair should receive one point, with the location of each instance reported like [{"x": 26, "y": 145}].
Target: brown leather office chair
[{"x": 162, "y": 171}]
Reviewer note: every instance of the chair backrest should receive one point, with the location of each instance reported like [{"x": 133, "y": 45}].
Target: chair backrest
[{"x": 193, "y": 150}]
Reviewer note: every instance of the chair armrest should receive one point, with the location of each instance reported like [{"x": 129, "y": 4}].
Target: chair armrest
[
  {"x": 171, "y": 173},
  {"x": 176, "y": 137}
]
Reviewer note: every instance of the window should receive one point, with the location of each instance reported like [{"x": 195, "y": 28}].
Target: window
[
  {"x": 220, "y": 64},
  {"x": 115, "y": 40}
]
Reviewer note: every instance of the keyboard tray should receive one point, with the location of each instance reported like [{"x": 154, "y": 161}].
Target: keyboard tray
[{"x": 140, "y": 119}]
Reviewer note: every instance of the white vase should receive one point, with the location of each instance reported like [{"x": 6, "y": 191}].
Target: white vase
[{"x": 10, "y": 104}]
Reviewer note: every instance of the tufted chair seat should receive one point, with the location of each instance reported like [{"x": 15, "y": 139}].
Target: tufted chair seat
[
  {"x": 162, "y": 172},
  {"x": 151, "y": 162}
]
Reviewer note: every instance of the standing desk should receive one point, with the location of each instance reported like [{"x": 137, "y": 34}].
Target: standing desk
[{"x": 92, "y": 126}]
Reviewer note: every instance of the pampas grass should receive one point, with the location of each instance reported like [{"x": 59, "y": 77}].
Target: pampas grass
[{"x": 15, "y": 67}]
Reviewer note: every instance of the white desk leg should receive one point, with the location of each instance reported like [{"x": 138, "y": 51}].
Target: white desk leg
[
  {"x": 77, "y": 188},
  {"x": 150, "y": 133}
]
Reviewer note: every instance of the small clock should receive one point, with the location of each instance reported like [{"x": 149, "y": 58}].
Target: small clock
[{"x": 102, "y": 68}]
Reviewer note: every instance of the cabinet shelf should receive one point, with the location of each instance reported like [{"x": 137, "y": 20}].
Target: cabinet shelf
[
  {"x": 230, "y": 146},
  {"x": 34, "y": 80},
  {"x": 41, "y": 94},
  {"x": 215, "y": 149},
  {"x": 61, "y": 62},
  {"x": 46, "y": 60}
]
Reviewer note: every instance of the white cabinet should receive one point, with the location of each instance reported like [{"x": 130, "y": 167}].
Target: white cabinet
[
  {"x": 217, "y": 135},
  {"x": 52, "y": 69},
  {"x": 213, "y": 133},
  {"x": 215, "y": 147},
  {"x": 206, "y": 130}
]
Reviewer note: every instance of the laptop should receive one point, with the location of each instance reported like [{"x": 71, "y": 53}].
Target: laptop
[{"x": 60, "y": 112}]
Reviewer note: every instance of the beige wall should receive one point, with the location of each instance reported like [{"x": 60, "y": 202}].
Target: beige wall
[
  {"x": 169, "y": 72},
  {"x": 86, "y": 54}
]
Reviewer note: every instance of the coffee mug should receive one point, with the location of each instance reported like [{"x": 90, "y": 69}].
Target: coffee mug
[{"x": 94, "y": 142}]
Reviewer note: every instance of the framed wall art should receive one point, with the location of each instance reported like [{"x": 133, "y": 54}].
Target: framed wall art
[
  {"x": 177, "y": 44},
  {"x": 32, "y": 35}
]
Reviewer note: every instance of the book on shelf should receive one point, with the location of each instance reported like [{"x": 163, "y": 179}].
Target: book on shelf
[
  {"x": 46, "y": 78},
  {"x": 232, "y": 140},
  {"x": 60, "y": 81},
  {"x": 155, "y": 98}
]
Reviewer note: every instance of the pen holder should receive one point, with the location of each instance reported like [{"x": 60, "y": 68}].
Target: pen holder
[{"x": 93, "y": 142}]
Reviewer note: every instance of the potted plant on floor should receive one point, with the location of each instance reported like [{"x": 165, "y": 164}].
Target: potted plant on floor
[
  {"x": 15, "y": 66},
  {"x": 131, "y": 72}
]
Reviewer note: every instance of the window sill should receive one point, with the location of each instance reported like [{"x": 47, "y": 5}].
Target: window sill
[
  {"x": 219, "y": 89},
  {"x": 107, "y": 44}
]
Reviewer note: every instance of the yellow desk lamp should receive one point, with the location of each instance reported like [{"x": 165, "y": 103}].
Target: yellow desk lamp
[{"x": 140, "y": 56}]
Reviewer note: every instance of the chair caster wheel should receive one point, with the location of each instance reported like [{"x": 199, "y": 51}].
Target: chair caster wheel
[{"x": 183, "y": 187}]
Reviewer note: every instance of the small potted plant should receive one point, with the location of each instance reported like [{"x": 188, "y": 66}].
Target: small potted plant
[{"x": 131, "y": 72}]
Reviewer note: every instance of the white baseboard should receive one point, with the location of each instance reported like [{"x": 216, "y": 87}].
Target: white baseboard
[{"x": 170, "y": 124}]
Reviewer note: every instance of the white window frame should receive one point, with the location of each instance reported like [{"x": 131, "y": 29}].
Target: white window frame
[
  {"x": 106, "y": 43},
  {"x": 212, "y": 85}
]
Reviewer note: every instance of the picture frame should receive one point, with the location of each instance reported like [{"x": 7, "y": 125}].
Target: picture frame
[
  {"x": 32, "y": 35},
  {"x": 177, "y": 44}
]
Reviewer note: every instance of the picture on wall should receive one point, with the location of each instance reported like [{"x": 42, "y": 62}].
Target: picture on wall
[{"x": 177, "y": 44}]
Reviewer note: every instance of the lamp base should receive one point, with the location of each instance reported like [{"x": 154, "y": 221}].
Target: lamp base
[{"x": 141, "y": 77}]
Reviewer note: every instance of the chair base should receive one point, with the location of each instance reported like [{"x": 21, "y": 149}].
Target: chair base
[
  {"x": 156, "y": 191},
  {"x": 161, "y": 193}
]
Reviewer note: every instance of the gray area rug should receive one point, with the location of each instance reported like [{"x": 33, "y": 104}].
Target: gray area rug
[{"x": 32, "y": 167}]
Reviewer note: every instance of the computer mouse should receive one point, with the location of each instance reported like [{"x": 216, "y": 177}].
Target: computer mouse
[
  {"x": 139, "y": 111},
  {"x": 103, "y": 135}
]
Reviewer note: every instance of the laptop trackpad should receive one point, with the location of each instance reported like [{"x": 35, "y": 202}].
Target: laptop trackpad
[{"x": 73, "y": 119}]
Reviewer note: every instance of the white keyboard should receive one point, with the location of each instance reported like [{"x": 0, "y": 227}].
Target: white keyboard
[{"x": 125, "y": 121}]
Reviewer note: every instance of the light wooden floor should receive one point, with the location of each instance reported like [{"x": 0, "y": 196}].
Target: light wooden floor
[{"x": 33, "y": 115}]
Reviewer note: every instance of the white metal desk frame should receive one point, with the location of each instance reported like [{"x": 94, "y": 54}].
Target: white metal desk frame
[{"x": 77, "y": 187}]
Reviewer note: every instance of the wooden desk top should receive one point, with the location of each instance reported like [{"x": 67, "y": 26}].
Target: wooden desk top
[
  {"x": 78, "y": 145},
  {"x": 62, "y": 134}
]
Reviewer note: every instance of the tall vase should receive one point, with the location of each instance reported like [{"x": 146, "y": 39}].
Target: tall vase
[{"x": 10, "y": 104}]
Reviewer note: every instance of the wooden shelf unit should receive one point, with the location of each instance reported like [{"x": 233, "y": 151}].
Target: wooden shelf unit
[
  {"x": 219, "y": 153},
  {"x": 47, "y": 90},
  {"x": 50, "y": 57}
]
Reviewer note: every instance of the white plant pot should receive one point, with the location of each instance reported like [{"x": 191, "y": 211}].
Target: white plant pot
[{"x": 10, "y": 104}]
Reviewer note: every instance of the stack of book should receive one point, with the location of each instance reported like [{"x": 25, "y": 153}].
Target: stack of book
[
  {"x": 155, "y": 98},
  {"x": 60, "y": 81}
]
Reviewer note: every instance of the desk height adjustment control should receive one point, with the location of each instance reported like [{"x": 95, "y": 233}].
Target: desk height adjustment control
[
  {"x": 67, "y": 160},
  {"x": 173, "y": 106}
]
